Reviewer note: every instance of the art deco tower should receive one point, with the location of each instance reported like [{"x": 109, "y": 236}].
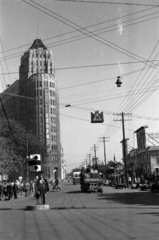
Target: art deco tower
[{"x": 39, "y": 111}]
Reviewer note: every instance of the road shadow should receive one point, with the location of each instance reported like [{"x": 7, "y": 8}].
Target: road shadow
[
  {"x": 11, "y": 208},
  {"x": 141, "y": 198},
  {"x": 74, "y": 192}
]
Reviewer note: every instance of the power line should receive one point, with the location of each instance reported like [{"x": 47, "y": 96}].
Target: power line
[
  {"x": 106, "y": 2},
  {"x": 110, "y": 20},
  {"x": 89, "y": 121},
  {"x": 99, "y": 39},
  {"x": 104, "y": 99},
  {"x": 87, "y": 66},
  {"x": 112, "y": 113},
  {"x": 109, "y": 129}
]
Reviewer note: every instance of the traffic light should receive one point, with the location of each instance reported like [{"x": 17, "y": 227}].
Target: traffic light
[
  {"x": 37, "y": 168},
  {"x": 35, "y": 162}
]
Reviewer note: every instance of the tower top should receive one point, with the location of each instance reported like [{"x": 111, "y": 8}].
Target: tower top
[{"x": 38, "y": 44}]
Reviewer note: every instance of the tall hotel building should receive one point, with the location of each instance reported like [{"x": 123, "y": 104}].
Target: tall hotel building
[{"x": 39, "y": 111}]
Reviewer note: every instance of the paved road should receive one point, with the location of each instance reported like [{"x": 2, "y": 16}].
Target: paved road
[{"x": 114, "y": 215}]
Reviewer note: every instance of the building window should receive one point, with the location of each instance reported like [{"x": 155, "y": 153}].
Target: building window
[
  {"x": 52, "y": 139},
  {"x": 51, "y": 128},
  {"x": 40, "y": 101},
  {"x": 40, "y": 83}
]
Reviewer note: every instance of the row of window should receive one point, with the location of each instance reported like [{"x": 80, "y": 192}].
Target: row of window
[
  {"x": 52, "y": 102},
  {"x": 52, "y": 111},
  {"x": 54, "y": 147},
  {"x": 39, "y": 55},
  {"x": 40, "y": 62},
  {"x": 53, "y": 138},
  {"x": 53, "y": 129},
  {"x": 53, "y": 120},
  {"x": 46, "y": 84},
  {"x": 55, "y": 158}
]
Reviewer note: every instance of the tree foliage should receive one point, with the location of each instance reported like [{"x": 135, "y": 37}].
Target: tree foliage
[{"x": 16, "y": 144}]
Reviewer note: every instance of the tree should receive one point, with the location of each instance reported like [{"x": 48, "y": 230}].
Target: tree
[
  {"x": 14, "y": 145},
  {"x": 117, "y": 166}
]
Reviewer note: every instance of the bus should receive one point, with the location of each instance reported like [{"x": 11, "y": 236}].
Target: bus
[{"x": 76, "y": 177}]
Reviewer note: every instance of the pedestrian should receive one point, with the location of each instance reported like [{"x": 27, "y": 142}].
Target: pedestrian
[
  {"x": 56, "y": 185},
  {"x": 36, "y": 190},
  {"x": 41, "y": 188},
  {"x": 129, "y": 180},
  {"x": 27, "y": 189},
  {"x": 15, "y": 190}
]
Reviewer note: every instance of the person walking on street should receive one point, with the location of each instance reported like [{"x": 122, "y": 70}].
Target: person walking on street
[{"x": 56, "y": 185}]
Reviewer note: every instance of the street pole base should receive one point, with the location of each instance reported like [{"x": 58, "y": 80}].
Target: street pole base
[{"x": 38, "y": 207}]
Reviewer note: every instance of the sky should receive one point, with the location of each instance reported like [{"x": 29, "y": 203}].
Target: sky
[{"x": 92, "y": 43}]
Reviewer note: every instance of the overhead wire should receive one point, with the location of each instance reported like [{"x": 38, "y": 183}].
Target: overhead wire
[
  {"x": 107, "y": 2},
  {"x": 87, "y": 33},
  {"x": 146, "y": 83},
  {"x": 119, "y": 107},
  {"x": 70, "y": 32},
  {"x": 90, "y": 66}
]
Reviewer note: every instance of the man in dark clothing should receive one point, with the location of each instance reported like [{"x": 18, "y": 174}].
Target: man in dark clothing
[
  {"x": 41, "y": 188},
  {"x": 15, "y": 190}
]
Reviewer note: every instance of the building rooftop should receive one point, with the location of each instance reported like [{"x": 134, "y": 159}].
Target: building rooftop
[{"x": 38, "y": 44}]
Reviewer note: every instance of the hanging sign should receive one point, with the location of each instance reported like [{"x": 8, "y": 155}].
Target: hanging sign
[{"x": 97, "y": 117}]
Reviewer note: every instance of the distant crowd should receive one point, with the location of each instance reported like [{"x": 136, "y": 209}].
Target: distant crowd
[{"x": 11, "y": 190}]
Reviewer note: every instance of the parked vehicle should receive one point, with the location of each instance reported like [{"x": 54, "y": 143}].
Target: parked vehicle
[{"x": 76, "y": 178}]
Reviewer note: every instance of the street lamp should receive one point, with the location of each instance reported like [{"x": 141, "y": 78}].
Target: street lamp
[{"x": 118, "y": 82}]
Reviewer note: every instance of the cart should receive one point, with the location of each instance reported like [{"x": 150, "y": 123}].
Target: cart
[{"x": 92, "y": 183}]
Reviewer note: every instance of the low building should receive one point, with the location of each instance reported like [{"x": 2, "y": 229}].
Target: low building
[{"x": 144, "y": 160}]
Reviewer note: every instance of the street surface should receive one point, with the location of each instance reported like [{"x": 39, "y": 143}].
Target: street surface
[{"x": 116, "y": 214}]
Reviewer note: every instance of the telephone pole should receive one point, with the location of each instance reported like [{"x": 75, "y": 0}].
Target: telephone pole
[
  {"x": 124, "y": 145},
  {"x": 89, "y": 155},
  {"x": 104, "y": 141},
  {"x": 27, "y": 158},
  {"x": 95, "y": 158}
]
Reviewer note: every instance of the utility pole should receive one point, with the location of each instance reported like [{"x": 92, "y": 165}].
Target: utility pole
[
  {"x": 95, "y": 158},
  {"x": 104, "y": 141},
  {"x": 125, "y": 157},
  {"x": 124, "y": 145},
  {"x": 89, "y": 155},
  {"x": 27, "y": 157}
]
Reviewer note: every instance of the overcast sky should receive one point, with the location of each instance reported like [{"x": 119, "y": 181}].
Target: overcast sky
[{"x": 92, "y": 44}]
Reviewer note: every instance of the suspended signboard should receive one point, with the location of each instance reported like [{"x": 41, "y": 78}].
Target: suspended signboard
[{"x": 97, "y": 117}]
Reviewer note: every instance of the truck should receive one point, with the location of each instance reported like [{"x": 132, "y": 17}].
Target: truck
[{"x": 91, "y": 182}]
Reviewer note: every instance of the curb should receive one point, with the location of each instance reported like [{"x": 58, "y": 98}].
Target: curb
[{"x": 38, "y": 207}]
